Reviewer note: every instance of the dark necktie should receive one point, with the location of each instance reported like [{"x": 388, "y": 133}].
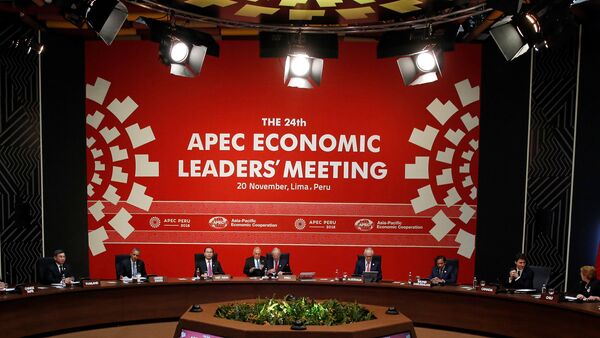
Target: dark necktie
[
  {"x": 276, "y": 265},
  {"x": 61, "y": 270}
]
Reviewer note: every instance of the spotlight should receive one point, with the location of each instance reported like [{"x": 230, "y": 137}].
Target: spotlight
[
  {"x": 299, "y": 65},
  {"x": 419, "y": 52},
  {"x": 181, "y": 48},
  {"x": 301, "y": 70},
  {"x": 514, "y": 35},
  {"x": 421, "y": 67},
  {"x": 185, "y": 60},
  {"x": 105, "y": 17},
  {"x": 29, "y": 44},
  {"x": 304, "y": 55},
  {"x": 35, "y": 47},
  {"x": 425, "y": 61},
  {"x": 179, "y": 51}
]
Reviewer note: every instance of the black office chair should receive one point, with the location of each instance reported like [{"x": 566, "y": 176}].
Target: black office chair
[
  {"x": 119, "y": 259},
  {"x": 541, "y": 275},
  {"x": 199, "y": 257},
  {"x": 283, "y": 256},
  {"x": 40, "y": 266},
  {"x": 376, "y": 258}
]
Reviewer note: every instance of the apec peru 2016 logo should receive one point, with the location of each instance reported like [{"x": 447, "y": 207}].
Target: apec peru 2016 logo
[{"x": 218, "y": 222}]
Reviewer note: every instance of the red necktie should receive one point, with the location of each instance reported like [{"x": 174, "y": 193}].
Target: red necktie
[
  {"x": 276, "y": 265},
  {"x": 368, "y": 267},
  {"x": 209, "y": 265}
]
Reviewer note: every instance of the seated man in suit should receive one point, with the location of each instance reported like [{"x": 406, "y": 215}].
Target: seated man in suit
[
  {"x": 442, "y": 274},
  {"x": 521, "y": 276},
  {"x": 368, "y": 264},
  {"x": 132, "y": 266},
  {"x": 58, "y": 270},
  {"x": 208, "y": 267},
  {"x": 255, "y": 264},
  {"x": 277, "y": 265}
]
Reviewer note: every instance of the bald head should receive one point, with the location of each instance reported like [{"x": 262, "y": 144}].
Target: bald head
[
  {"x": 256, "y": 252},
  {"x": 276, "y": 253},
  {"x": 368, "y": 253}
]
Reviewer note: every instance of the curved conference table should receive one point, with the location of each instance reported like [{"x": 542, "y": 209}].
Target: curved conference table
[{"x": 448, "y": 307}]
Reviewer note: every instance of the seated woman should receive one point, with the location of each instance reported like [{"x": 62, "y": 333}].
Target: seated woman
[{"x": 589, "y": 287}]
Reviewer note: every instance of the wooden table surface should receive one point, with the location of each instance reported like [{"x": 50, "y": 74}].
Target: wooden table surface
[{"x": 449, "y": 307}]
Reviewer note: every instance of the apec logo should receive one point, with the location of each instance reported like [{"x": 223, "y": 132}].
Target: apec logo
[
  {"x": 364, "y": 224},
  {"x": 218, "y": 222}
]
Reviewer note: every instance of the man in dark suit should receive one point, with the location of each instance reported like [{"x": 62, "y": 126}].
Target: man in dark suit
[
  {"x": 208, "y": 267},
  {"x": 442, "y": 274},
  {"x": 368, "y": 264},
  {"x": 132, "y": 266},
  {"x": 278, "y": 265},
  {"x": 255, "y": 264},
  {"x": 58, "y": 270},
  {"x": 521, "y": 276}
]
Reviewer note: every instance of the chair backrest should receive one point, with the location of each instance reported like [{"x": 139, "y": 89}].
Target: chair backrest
[
  {"x": 119, "y": 259},
  {"x": 376, "y": 258},
  {"x": 541, "y": 275},
  {"x": 199, "y": 257},
  {"x": 285, "y": 256},
  {"x": 40, "y": 265},
  {"x": 454, "y": 263}
]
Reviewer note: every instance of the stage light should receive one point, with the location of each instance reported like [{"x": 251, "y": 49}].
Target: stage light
[
  {"x": 425, "y": 61},
  {"x": 179, "y": 51},
  {"x": 35, "y": 47},
  {"x": 304, "y": 55},
  {"x": 105, "y": 17},
  {"x": 183, "y": 49},
  {"x": 421, "y": 67},
  {"x": 533, "y": 21},
  {"x": 515, "y": 35},
  {"x": 29, "y": 44},
  {"x": 187, "y": 61},
  {"x": 301, "y": 70},
  {"x": 299, "y": 65}
]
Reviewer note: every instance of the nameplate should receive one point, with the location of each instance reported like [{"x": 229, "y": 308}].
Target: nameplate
[
  {"x": 156, "y": 279},
  {"x": 487, "y": 289},
  {"x": 27, "y": 289},
  {"x": 424, "y": 283},
  {"x": 288, "y": 277},
  {"x": 221, "y": 277},
  {"x": 554, "y": 298},
  {"x": 90, "y": 283}
]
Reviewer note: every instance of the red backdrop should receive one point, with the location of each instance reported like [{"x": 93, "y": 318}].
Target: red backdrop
[{"x": 420, "y": 180}]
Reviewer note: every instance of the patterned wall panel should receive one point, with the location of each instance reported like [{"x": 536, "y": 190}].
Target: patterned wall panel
[
  {"x": 20, "y": 178},
  {"x": 553, "y": 104}
]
